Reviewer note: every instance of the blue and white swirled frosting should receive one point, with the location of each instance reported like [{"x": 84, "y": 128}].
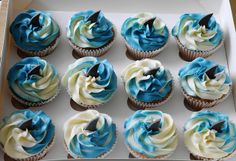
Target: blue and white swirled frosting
[
  {"x": 147, "y": 87},
  {"x": 152, "y": 144},
  {"x": 198, "y": 81},
  {"x": 197, "y": 37},
  {"x": 23, "y": 141},
  {"x": 203, "y": 140},
  {"x": 35, "y": 86},
  {"x": 145, "y": 37},
  {"x": 33, "y": 33},
  {"x": 87, "y": 34},
  {"x": 90, "y": 89},
  {"x": 83, "y": 143}
]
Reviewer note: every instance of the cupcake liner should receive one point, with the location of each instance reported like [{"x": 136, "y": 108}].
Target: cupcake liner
[
  {"x": 41, "y": 53},
  {"x": 154, "y": 104},
  {"x": 199, "y": 104},
  {"x": 39, "y": 156},
  {"x": 136, "y": 54},
  {"x": 96, "y": 52},
  {"x": 141, "y": 156},
  {"x": 102, "y": 156},
  {"x": 34, "y": 104},
  {"x": 189, "y": 55}
]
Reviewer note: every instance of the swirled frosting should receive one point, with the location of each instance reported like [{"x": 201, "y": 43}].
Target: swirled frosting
[
  {"x": 82, "y": 143},
  {"x": 87, "y": 89},
  {"x": 197, "y": 37},
  {"x": 87, "y": 34},
  {"x": 204, "y": 141},
  {"x": 32, "y": 34},
  {"x": 25, "y": 142},
  {"x": 196, "y": 81},
  {"x": 147, "y": 87},
  {"x": 145, "y": 37},
  {"x": 34, "y": 87},
  {"x": 148, "y": 142}
]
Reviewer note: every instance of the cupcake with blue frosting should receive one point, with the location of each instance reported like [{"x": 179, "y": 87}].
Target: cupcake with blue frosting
[
  {"x": 89, "y": 134},
  {"x": 148, "y": 83},
  {"x": 33, "y": 82},
  {"x": 204, "y": 83},
  {"x": 210, "y": 136},
  {"x": 90, "y": 33},
  {"x": 150, "y": 134},
  {"x": 90, "y": 82},
  {"x": 26, "y": 135},
  {"x": 145, "y": 35},
  {"x": 197, "y": 35},
  {"x": 35, "y": 33}
]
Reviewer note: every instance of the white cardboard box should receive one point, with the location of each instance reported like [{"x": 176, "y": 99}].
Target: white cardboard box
[{"x": 117, "y": 11}]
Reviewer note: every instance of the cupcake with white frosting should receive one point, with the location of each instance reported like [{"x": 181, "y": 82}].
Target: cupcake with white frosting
[
  {"x": 26, "y": 135},
  {"x": 150, "y": 134},
  {"x": 90, "y": 33},
  {"x": 33, "y": 81},
  {"x": 210, "y": 136},
  {"x": 145, "y": 35},
  {"x": 148, "y": 83},
  {"x": 204, "y": 83},
  {"x": 89, "y": 134},
  {"x": 90, "y": 81},
  {"x": 197, "y": 35}
]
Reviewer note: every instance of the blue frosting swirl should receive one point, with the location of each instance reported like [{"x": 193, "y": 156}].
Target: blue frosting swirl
[
  {"x": 147, "y": 88},
  {"x": 86, "y": 34},
  {"x": 98, "y": 89},
  {"x": 195, "y": 36},
  {"x": 35, "y": 87},
  {"x": 202, "y": 122},
  {"x": 147, "y": 142},
  {"x": 40, "y": 129},
  {"x": 31, "y": 37},
  {"x": 143, "y": 37}
]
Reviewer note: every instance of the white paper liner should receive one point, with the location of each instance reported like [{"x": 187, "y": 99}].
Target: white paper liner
[
  {"x": 189, "y": 55},
  {"x": 99, "y": 157},
  {"x": 94, "y": 52},
  {"x": 36, "y": 104},
  {"x": 42, "y": 53},
  {"x": 40, "y": 155},
  {"x": 136, "y": 54},
  {"x": 149, "y": 105}
]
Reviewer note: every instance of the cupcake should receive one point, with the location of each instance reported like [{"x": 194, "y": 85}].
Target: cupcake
[
  {"x": 33, "y": 81},
  {"x": 197, "y": 35},
  {"x": 210, "y": 136},
  {"x": 35, "y": 33},
  {"x": 150, "y": 134},
  {"x": 90, "y": 33},
  {"x": 26, "y": 135},
  {"x": 204, "y": 84},
  {"x": 145, "y": 35},
  {"x": 89, "y": 134},
  {"x": 90, "y": 82},
  {"x": 147, "y": 83}
]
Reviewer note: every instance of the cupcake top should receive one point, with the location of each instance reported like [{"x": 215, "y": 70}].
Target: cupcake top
[
  {"x": 90, "y": 29},
  {"x": 210, "y": 134},
  {"x": 34, "y": 30},
  {"x": 205, "y": 79},
  {"x": 33, "y": 79},
  {"x": 147, "y": 80},
  {"x": 90, "y": 81},
  {"x": 25, "y": 133},
  {"x": 145, "y": 32},
  {"x": 151, "y": 133},
  {"x": 89, "y": 134},
  {"x": 198, "y": 32}
]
